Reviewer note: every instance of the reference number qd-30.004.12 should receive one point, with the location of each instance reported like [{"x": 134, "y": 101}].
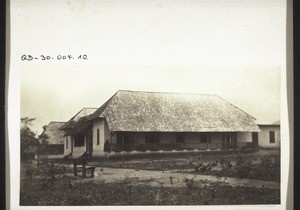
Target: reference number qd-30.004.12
[{"x": 48, "y": 57}]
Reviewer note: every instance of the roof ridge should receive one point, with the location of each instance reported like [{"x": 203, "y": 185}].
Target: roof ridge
[
  {"x": 259, "y": 122},
  {"x": 237, "y": 107},
  {"x": 189, "y": 117},
  {"x": 101, "y": 108},
  {"x": 62, "y": 127},
  {"x": 81, "y": 111},
  {"x": 212, "y": 94}
]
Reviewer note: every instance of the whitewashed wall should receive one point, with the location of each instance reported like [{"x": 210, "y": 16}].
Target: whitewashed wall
[
  {"x": 67, "y": 150},
  {"x": 264, "y": 136},
  {"x": 104, "y": 134},
  {"x": 244, "y": 137},
  {"x": 78, "y": 151}
]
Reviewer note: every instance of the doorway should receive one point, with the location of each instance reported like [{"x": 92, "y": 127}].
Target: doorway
[
  {"x": 89, "y": 142},
  {"x": 229, "y": 141},
  {"x": 255, "y": 139}
]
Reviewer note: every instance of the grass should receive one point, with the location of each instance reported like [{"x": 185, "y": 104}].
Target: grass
[
  {"x": 265, "y": 166},
  {"x": 49, "y": 185},
  {"x": 67, "y": 192},
  {"x": 178, "y": 161}
]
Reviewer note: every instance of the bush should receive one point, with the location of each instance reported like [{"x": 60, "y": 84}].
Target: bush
[
  {"x": 50, "y": 173},
  {"x": 190, "y": 183},
  {"x": 268, "y": 168},
  {"x": 123, "y": 193},
  {"x": 200, "y": 165},
  {"x": 264, "y": 168},
  {"x": 244, "y": 167}
]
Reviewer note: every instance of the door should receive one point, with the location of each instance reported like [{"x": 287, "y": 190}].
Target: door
[
  {"x": 255, "y": 139},
  {"x": 89, "y": 142},
  {"x": 229, "y": 141},
  {"x": 72, "y": 142}
]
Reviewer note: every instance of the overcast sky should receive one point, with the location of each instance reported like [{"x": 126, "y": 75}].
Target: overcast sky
[
  {"x": 194, "y": 46},
  {"x": 56, "y": 93},
  {"x": 159, "y": 45}
]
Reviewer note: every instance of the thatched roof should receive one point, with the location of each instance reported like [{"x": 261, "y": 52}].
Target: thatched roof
[
  {"x": 82, "y": 113},
  {"x": 261, "y": 123},
  {"x": 173, "y": 112},
  {"x": 55, "y": 135},
  {"x": 80, "y": 126}
]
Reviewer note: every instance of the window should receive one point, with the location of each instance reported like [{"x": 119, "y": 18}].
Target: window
[
  {"x": 272, "y": 136},
  {"x": 180, "y": 138},
  {"x": 151, "y": 138},
  {"x": 203, "y": 138},
  {"x": 79, "y": 141},
  {"x": 98, "y": 136},
  {"x": 125, "y": 138},
  {"x": 209, "y": 138},
  {"x": 255, "y": 138},
  {"x": 66, "y": 142},
  {"x": 120, "y": 138}
]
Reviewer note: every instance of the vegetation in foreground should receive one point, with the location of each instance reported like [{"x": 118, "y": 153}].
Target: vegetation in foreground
[
  {"x": 266, "y": 167},
  {"x": 66, "y": 191},
  {"x": 249, "y": 166},
  {"x": 48, "y": 184}
]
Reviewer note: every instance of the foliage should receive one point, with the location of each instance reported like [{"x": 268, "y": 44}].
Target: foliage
[
  {"x": 44, "y": 138},
  {"x": 50, "y": 186},
  {"x": 244, "y": 167},
  {"x": 68, "y": 191},
  {"x": 190, "y": 183},
  {"x": 25, "y": 121},
  {"x": 50, "y": 173},
  {"x": 200, "y": 165},
  {"x": 252, "y": 166},
  {"x": 43, "y": 148},
  {"x": 28, "y": 143},
  {"x": 267, "y": 168},
  {"x": 225, "y": 163}
]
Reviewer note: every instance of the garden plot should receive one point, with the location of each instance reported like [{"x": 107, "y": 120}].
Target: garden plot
[
  {"x": 265, "y": 167},
  {"x": 167, "y": 181},
  {"x": 170, "y": 178}
]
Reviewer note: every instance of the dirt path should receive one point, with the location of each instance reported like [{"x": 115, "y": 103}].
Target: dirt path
[{"x": 169, "y": 178}]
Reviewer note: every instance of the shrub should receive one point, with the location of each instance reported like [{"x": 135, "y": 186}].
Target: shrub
[
  {"x": 244, "y": 167},
  {"x": 50, "y": 173},
  {"x": 266, "y": 167},
  {"x": 190, "y": 183},
  {"x": 122, "y": 193},
  {"x": 200, "y": 165},
  {"x": 225, "y": 164}
]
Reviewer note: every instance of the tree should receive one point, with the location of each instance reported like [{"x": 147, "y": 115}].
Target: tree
[
  {"x": 28, "y": 139},
  {"x": 43, "y": 138},
  {"x": 25, "y": 121},
  {"x": 43, "y": 141}
]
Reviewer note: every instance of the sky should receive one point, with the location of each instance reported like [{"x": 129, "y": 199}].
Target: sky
[
  {"x": 56, "y": 93},
  {"x": 158, "y": 32},
  {"x": 232, "y": 48}
]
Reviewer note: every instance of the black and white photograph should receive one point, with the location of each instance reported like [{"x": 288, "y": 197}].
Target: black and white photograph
[
  {"x": 158, "y": 136},
  {"x": 138, "y": 104}
]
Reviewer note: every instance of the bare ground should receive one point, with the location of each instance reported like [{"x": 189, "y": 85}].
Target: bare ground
[{"x": 169, "y": 178}]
